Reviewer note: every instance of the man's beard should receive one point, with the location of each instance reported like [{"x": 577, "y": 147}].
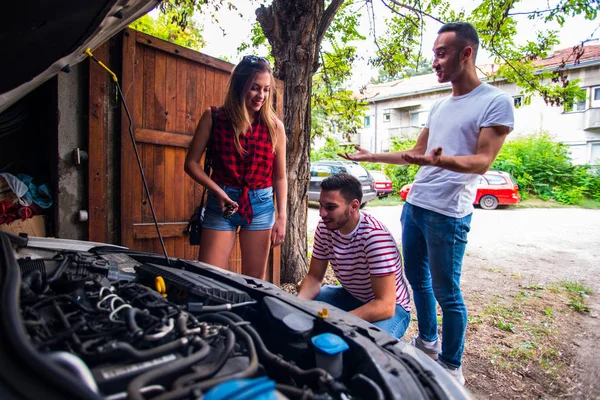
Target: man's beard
[{"x": 338, "y": 223}]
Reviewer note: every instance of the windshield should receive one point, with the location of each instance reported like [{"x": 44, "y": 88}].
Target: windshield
[
  {"x": 357, "y": 170},
  {"x": 378, "y": 176}
]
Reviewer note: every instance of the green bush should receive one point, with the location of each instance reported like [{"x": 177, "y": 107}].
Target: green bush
[
  {"x": 401, "y": 174},
  {"x": 543, "y": 168},
  {"x": 571, "y": 195},
  {"x": 329, "y": 151}
]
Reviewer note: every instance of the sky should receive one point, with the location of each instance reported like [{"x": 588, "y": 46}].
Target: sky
[{"x": 238, "y": 30}]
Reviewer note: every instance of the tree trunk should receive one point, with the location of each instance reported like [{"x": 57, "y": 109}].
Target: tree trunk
[{"x": 295, "y": 30}]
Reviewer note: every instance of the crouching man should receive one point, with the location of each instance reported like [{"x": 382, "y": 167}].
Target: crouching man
[{"x": 364, "y": 257}]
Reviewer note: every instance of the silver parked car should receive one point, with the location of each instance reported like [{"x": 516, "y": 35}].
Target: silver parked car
[{"x": 320, "y": 170}]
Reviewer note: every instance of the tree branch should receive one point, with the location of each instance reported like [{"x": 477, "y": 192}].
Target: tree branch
[
  {"x": 411, "y": 8},
  {"x": 327, "y": 18},
  {"x": 535, "y": 12},
  {"x": 400, "y": 14}
]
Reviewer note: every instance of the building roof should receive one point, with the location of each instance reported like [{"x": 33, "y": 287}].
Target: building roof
[
  {"x": 428, "y": 83},
  {"x": 568, "y": 56}
]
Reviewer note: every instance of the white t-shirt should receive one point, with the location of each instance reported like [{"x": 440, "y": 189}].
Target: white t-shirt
[
  {"x": 370, "y": 249},
  {"x": 454, "y": 125}
]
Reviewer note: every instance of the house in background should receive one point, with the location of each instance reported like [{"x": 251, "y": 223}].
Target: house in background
[{"x": 400, "y": 108}]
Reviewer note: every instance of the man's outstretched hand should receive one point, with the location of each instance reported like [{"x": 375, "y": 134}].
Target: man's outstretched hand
[
  {"x": 432, "y": 159},
  {"x": 360, "y": 155}
]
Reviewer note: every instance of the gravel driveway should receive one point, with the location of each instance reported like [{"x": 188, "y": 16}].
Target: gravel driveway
[{"x": 541, "y": 244}]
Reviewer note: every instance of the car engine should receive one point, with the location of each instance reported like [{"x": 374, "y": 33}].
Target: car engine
[{"x": 130, "y": 327}]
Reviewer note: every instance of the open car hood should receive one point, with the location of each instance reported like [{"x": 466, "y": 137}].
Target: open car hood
[
  {"x": 39, "y": 40},
  {"x": 92, "y": 322}
]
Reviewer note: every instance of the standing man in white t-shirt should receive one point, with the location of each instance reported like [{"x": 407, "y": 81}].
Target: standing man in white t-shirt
[
  {"x": 462, "y": 137},
  {"x": 364, "y": 257}
]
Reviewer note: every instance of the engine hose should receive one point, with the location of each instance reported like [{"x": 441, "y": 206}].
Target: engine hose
[
  {"x": 226, "y": 307},
  {"x": 133, "y": 327},
  {"x": 60, "y": 269},
  {"x": 165, "y": 372},
  {"x": 67, "y": 324},
  {"x": 28, "y": 266},
  {"x": 63, "y": 297},
  {"x": 309, "y": 375},
  {"x": 31, "y": 284},
  {"x": 145, "y": 390},
  {"x": 77, "y": 366},
  {"x": 211, "y": 369},
  {"x": 366, "y": 387},
  {"x": 110, "y": 349},
  {"x": 60, "y": 336},
  {"x": 207, "y": 384},
  {"x": 252, "y": 368},
  {"x": 294, "y": 393}
]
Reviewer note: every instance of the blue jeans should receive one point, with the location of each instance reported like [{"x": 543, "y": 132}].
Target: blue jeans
[
  {"x": 339, "y": 297},
  {"x": 433, "y": 246},
  {"x": 262, "y": 204}
]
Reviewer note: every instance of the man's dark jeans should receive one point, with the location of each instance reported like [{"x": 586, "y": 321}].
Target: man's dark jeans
[{"x": 433, "y": 246}]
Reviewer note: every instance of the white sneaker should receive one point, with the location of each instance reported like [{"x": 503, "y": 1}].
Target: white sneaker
[
  {"x": 432, "y": 349},
  {"x": 455, "y": 372}
]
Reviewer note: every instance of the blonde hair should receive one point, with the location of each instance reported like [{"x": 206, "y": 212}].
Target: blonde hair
[{"x": 242, "y": 79}]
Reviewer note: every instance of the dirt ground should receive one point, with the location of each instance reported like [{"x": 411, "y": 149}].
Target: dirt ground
[{"x": 531, "y": 280}]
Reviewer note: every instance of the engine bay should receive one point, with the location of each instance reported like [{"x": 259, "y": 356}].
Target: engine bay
[{"x": 130, "y": 327}]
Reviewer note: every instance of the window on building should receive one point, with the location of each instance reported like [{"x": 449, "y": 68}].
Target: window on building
[
  {"x": 367, "y": 121},
  {"x": 578, "y": 153},
  {"x": 387, "y": 116},
  {"x": 596, "y": 96},
  {"x": 517, "y": 101},
  {"x": 419, "y": 118},
  {"x": 595, "y": 158},
  {"x": 577, "y": 105}
]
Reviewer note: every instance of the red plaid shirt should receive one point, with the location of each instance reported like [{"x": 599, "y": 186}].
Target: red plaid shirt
[{"x": 254, "y": 170}]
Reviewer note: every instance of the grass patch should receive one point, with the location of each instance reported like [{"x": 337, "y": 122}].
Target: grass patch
[
  {"x": 578, "y": 304},
  {"x": 536, "y": 202},
  {"x": 474, "y": 319},
  {"x": 590, "y": 204},
  {"x": 391, "y": 200},
  {"x": 492, "y": 269},
  {"x": 533, "y": 286},
  {"x": 526, "y": 334},
  {"x": 576, "y": 292},
  {"x": 575, "y": 287},
  {"x": 521, "y": 344}
]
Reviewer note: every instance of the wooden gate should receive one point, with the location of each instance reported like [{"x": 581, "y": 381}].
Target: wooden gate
[{"x": 167, "y": 87}]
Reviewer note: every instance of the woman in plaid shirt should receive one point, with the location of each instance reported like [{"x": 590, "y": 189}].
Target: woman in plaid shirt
[{"x": 247, "y": 149}]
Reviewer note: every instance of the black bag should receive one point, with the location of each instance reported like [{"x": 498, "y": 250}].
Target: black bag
[{"x": 194, "y": 226}]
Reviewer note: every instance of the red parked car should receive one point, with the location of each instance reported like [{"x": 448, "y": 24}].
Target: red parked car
[
  {"x": 382, "y": 184},
  {"x": 495, "y": 188}
]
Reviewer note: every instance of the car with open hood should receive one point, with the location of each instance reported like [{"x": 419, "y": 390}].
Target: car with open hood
[{"x": 86, "y": 320}]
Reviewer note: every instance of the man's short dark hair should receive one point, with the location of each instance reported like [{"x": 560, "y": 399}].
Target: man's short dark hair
[
  {"x": 465, "y": 33},
  {"x": 347, "y": 184}
]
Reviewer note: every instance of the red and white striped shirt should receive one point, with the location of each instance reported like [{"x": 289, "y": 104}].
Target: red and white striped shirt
[{"x": 368, "y": 250}]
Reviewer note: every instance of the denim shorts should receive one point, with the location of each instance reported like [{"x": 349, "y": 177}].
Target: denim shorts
[{"x": 262, "y": 206}]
